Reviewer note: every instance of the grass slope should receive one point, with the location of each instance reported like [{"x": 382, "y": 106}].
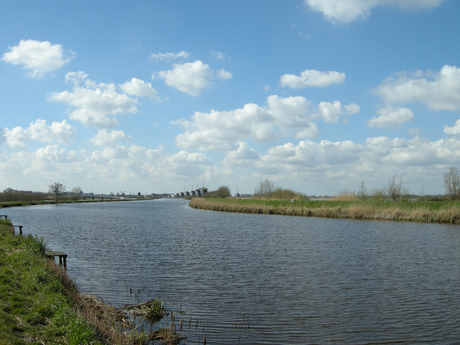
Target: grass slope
[{"x": 34, "y": 305}]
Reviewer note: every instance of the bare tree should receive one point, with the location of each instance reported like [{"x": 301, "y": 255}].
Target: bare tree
[
  {"x": 362, "y": 192},
  {"x": 265, "y": 187},
  {"x": 57, "y": 189},
  {"x": 452, "y": 182},
  {"x": 77, "y": 190},
  {"x": 395, "y": 188}
]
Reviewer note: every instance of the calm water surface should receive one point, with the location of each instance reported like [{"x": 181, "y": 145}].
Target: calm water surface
[{"x": 257, "y": 279}]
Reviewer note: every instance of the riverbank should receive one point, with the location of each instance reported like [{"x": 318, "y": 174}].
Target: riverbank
[
  {"x": 414, "y": 211},
  {"x": 40, "y": 304},
  {"x": 6, "y": 204}
]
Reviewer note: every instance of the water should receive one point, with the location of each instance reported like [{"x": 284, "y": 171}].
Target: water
[{"x": 258, "y": 279}]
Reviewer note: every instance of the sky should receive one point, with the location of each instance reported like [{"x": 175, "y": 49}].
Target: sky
[{"x": 317, "y": 96}]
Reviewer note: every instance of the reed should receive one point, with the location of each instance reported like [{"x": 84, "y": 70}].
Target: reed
[{"x": 415, "y": 211}]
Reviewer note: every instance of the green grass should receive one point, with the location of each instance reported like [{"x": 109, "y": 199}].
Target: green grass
[{"x": 34, "y": 305}]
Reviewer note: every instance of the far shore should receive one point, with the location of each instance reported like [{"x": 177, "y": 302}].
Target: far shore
[
  {"x": 447, "y": 212},
  {"x": 6, "y": 204}
]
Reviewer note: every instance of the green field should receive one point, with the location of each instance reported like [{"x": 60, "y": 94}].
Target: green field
[{"x": 415, "y": 211}]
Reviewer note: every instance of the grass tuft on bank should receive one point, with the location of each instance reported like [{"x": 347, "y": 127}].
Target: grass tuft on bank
[{"x": 414, "y": 211}]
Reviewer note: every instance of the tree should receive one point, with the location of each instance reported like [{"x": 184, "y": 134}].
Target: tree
[
  {"x": 77, "y": 190},
  {"x": 452, "y": 182},
  {"x": 57, "y": 189},
  {"x": 395, "y": 188},
  {"x": 223, "y": 192},
  {"x": 362, "y": 192},
  {"x": 265, "y": 187}
]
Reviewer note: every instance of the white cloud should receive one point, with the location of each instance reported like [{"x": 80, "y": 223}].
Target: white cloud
[
  {"x": 220, "y": 131},
  {"x": 243, "y": 156},
  {"x": 16, "y": 138},
  {"x": 60, "y": 132},
  {"x": 305, "y": 164},
  {"x": 223, "y": 74},
  {"x": 331, "y": 112},
  {"x": 95, "y": 103},
  {"x": 106, "y": 138},
  {"x": 312, "y": 78},
  {"x": 391, "y": 118},
  {"x": 169, "y": 56},
  {"x": 345, "y": 11},
  {"x": 454, "y": 130},
  {"x": 439, "y": 91},
  {"x": 218, "y": 55},
  {"x": 38, "y": 57},
  {"x": 280, "y": 117},
  {"x": 191, "y": 77},
  {"x": 139, "y": 88}
]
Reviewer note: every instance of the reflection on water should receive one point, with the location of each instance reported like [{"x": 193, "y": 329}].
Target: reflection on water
[{"x": 258, "y": 279}]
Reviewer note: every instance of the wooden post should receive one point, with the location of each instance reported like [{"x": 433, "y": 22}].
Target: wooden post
[
  {"x": 19, "y": 227},
  {"x": 62, "y": 257},
  {"x": 4, "y": 216}
]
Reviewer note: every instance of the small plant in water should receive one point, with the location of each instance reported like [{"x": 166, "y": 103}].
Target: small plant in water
[{"x": 152, "y": 310}]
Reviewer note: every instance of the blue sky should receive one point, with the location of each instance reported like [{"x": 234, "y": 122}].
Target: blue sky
[{"x": 156, "y": 96}]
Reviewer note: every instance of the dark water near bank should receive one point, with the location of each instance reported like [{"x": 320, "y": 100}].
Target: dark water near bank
[{"x": 257, "y": 279}]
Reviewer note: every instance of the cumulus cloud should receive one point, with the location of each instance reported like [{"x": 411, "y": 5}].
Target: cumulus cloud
[
  {"x": 312, "y": 78},
  {"x": 139, "y": 88},
  {"x": 39, "y": 57},
  {"x": 243, "y": 156},
  {"x": 345, "y": 11},
  {"x": 331, "y": 112},
  {"x": 169, "y": 56},
  {"x": 106, "y": 138},
  {"x": 454, "y": 130},
  {"x": 391, "y": 118},
  {"x": 439, "y": 91},
  {"x": 220, "y": 130},
  {"x": 280, "y": 117},
  {"x": 96, "y": 104},
  {"x": 60, "y": 132},
  {"x": 191, "y": 77},
  {"x": 16, "y": 138}
]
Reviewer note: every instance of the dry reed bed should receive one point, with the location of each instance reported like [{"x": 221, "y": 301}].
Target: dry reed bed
[{"x": 394, "y": 211}]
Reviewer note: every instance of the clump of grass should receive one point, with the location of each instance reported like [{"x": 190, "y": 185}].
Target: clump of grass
[
  {"x": 152, "y": 311},
  {"x": 167, "y": 336}
]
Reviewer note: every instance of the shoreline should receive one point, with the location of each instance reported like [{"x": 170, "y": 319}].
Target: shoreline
[{"x": 444, "y": 212}]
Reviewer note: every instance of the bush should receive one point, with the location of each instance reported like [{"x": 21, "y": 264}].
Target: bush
[{"x": 222, "y": 192}]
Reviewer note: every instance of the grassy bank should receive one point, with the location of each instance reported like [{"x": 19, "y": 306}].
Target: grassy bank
[
  {"x": 6, "y": 204},
  {"x": 414, "y": 211},
  {"x": 39, "y": 304}
]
